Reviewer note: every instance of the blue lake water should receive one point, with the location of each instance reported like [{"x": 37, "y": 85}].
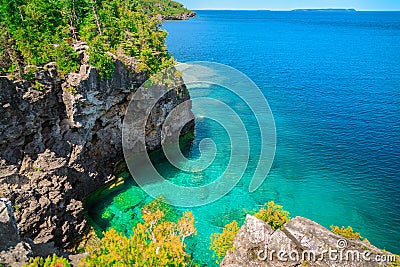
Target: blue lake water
[{"x": 332, "y": 80}]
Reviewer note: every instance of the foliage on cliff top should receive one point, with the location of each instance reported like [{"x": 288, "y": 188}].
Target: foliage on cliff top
[
  {"x": 274, "y": 215},
  {"x": 35, "y": 32},
  {"x": 395, "y": 263},
  {"x": 346, "y": 232},
  {"x": 165, "y": 7}
]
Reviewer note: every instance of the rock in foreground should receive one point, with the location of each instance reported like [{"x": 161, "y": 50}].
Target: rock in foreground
[
  {"x": 15, "y": 251},
  {"x": 301, "y": 243}
]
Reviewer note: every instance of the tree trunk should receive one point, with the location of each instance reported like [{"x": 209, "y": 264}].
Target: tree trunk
[{"x": 96, "y": 18}]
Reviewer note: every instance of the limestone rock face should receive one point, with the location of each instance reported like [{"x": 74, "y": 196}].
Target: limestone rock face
[
  {"x": 301, "y": 243},
  {"x": 312, "y": 237},
  {"x": 60, "y": 139}
]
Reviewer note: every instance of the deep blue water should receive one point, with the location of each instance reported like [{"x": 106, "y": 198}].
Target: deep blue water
[{"x": 332, "y": 81}]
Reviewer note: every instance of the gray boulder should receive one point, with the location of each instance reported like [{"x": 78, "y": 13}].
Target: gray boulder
[
  {"x": 8, "y": 225},
  {"x": 17, "y": 255},
  {"x": 13, "y": 251},
  {"x": 301, "y": 243}
]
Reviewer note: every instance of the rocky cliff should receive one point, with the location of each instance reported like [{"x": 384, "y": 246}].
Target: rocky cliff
[
  {"x": 60, "y": 139},
  {"x": 302, "y": 242}
]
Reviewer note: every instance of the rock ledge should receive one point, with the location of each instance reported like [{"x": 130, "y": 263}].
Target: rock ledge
[{"x": 301, "y": 243}]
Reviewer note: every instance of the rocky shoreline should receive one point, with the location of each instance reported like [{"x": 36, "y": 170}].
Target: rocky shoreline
[
  {"x": 184, "y": 16},
  {"x": 301, "y": 242}
]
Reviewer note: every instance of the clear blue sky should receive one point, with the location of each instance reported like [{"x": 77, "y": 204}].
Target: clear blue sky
[{"x": 292, "y": 4}]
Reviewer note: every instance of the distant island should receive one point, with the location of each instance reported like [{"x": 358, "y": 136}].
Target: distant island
[{"x": 329, "y": 9}]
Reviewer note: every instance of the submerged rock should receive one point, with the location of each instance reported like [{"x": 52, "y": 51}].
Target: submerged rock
[{"x": 129, "y": 199}]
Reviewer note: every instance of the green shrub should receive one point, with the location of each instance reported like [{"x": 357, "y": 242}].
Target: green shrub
[
  {"x": 99, "y": 58},
  {"x": 29, "y": 73},
  {"x": 222, "y": 242},
  {"x": 50, "y": 261},
  {"x": 16, "y": 207},
  {"x": 274, "y": 215},
  {"x": 395, "y": 263},
  {"x": 38, "y": 86},
  {"x": 155, "y": 242},
  {"x": 66, "y": 58},
  {"x": 71, "y": 90},
  {"x": 346, "y": 232}
]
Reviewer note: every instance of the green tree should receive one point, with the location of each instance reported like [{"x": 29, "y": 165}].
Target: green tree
[{"x": 35, "y": 32}]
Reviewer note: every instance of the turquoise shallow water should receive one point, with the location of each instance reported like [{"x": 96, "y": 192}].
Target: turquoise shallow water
[{"x": 332, "y": 81}]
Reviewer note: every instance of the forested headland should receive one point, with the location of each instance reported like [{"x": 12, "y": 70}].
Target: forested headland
[{"x": 33, "y": 33}]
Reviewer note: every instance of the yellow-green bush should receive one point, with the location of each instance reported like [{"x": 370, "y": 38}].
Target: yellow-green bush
[
  {"x": 50, "y": 261},
  {"x": 396, "y": 263},
  {"x": 155, "y": 242},
  {"x": 222, "y": 242},
  {"x": 274, "y": 215},
  {"x": 346, "y": 232}
]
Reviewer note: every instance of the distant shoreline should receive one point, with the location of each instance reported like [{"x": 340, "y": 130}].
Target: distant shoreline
[{"x": 326, "y": 10}]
